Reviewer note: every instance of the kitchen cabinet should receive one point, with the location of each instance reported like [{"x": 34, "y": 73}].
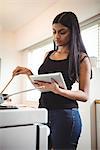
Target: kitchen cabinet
[
  {"x": 24, "y": 129},
  {"x": 97, "y": 102}
]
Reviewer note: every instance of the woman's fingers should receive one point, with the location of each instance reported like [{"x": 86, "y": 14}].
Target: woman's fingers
[
  {"x": 53, "y": 86},
  {"x": 21, "y": 70},
  {"x": 16, "y": 71}
]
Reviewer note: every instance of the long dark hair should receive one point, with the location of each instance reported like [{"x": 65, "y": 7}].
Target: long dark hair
[{"x": 70, "y": 20}]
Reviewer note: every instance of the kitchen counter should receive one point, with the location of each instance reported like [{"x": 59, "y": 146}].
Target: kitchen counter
[
  {"x": 24, "y": 129},
  {"x": 97, "y": 101}
]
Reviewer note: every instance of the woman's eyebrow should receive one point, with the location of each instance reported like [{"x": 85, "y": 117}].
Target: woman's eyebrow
[{"x": 60, "y": 30}]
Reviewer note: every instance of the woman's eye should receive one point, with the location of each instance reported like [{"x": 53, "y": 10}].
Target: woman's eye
[{"x": 62, "y": 32}]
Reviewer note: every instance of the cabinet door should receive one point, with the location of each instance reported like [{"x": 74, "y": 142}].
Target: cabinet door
[
  {"x": 18, "y": 138},
  {"x": 98, "y": 125}
]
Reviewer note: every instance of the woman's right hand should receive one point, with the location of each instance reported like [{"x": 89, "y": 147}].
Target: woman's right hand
[{"x": 22, "y": 70}]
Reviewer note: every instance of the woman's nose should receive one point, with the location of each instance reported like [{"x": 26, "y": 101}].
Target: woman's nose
[{"x": 57, "y": 36}]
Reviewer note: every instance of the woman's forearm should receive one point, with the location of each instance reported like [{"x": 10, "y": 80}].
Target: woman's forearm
[{"x": 74, "y": 95}]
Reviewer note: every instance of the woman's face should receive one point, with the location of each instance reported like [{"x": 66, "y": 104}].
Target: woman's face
[{"x": 61, "y": 34}]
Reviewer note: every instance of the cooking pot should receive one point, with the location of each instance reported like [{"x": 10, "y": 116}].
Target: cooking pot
[
  {"x": 6, "y": 96},
  {"x": 3, "y": 97}
]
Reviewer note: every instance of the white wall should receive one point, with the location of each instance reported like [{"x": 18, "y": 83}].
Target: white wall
[
  {"x": 40, "y": 28},
  {"x": 9, "y": 59}
]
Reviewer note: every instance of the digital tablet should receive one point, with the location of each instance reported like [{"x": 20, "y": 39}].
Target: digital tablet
[{"x": 58, "y": 77}]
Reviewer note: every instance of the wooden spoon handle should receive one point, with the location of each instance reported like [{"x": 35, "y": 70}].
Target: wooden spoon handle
[{"x": 7, "y": 84}]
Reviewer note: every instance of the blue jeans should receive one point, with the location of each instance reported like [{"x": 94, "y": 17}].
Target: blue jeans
[{"x": 65, "y": 128}]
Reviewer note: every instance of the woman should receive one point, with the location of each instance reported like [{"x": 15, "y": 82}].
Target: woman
[{"x": 71, "y": 59}]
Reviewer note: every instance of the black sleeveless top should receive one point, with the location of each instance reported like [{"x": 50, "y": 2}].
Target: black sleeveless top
[{"x": 51, "y": 100}]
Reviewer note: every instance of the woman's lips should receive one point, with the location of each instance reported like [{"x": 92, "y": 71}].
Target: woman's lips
[{"x": 57, "y": 41}]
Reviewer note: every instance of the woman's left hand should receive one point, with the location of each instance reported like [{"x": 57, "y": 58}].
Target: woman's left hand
[{"x": 49, "y": 86}]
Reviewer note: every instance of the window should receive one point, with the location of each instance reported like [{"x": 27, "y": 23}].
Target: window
[
  {"x": 89, "y": 36},
  {"x": 35, "y": 58},
  {"x": 90, "y": 31}
]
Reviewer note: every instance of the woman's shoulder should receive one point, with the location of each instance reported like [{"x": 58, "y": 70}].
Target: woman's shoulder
[
  {"x": 86, "y": 63},
  {"x": 47, "y": 54},
  {"x": 83, "y": 56}
]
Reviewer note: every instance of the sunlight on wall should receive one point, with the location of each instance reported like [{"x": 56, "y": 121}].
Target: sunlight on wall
[{"x": 35, "y": 59}]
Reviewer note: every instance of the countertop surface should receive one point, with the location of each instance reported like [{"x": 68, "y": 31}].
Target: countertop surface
[{"x": 97, "y": 101}]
